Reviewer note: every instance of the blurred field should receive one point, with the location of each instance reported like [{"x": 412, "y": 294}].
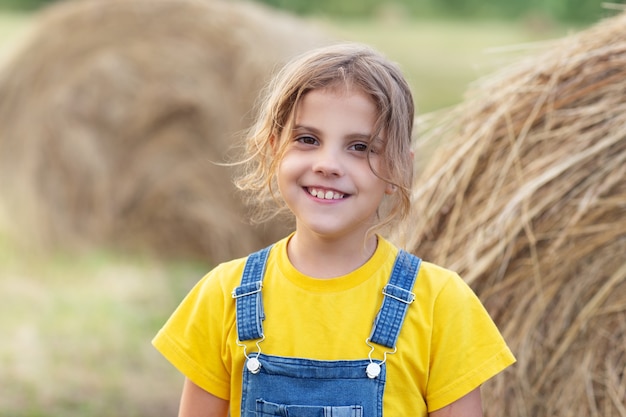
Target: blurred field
[
  {"x": 441, "y": 58},
  {"x": 75, "y": 333},
  {"x": 12, "y": 25},
  {"x": 75, "y": 330}
]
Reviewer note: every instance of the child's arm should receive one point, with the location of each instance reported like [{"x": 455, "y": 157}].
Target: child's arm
[
  {"x": 468, "y": 406},
  {"x": 196, "y": 402}
]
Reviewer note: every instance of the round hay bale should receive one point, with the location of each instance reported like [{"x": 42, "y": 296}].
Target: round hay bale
[
  {"x": 527, "y": 201},
  {"x": 114, "y": 113}
]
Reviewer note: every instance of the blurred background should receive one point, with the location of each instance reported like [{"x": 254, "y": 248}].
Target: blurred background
[{"x": 111, "y": 114}]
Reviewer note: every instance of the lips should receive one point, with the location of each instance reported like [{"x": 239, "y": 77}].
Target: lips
[{"x": 325, "y": 194}]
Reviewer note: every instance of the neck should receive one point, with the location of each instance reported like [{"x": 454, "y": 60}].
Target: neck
[{"x": 321, "y": 257}]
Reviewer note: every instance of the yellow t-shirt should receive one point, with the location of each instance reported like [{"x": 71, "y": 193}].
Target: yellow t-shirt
[{"x": 447, "y": 347}]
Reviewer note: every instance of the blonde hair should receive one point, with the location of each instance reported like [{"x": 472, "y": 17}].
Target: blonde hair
[{"x": 330, "y": 67}]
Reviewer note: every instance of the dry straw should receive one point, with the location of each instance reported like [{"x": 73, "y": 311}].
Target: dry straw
[
  {"x": 527, "y": 201},
  {"x": 112, "y": 113}
]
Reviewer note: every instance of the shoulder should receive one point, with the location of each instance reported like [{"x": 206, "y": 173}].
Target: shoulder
[
  {"x": 221, "y": 280},
  {"x": 436, "y": 277},
  {"x": 447, "y": 297},
  {"x": 226, "y": 276},
  {"x": 223, "y": 277},
  {"x": 437, "y": 288}
]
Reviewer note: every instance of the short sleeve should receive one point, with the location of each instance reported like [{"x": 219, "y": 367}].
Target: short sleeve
[
  {"x": 467, "y": 348},
  {"x": 193, "y": 338}
]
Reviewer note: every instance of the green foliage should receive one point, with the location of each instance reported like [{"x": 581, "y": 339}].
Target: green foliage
[
  {"x": 343, "y": 8},
  {"x": 582, "y": 11},
  {"x": 24, "y": 5}
]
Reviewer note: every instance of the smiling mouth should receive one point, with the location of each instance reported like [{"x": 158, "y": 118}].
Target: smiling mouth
[{"x": 325, "y": 194}]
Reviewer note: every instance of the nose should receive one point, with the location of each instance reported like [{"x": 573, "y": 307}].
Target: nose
[{"x": 328, "y": 162}]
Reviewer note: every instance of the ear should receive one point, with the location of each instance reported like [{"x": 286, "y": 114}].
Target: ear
[{"x": 390, "y": 189}]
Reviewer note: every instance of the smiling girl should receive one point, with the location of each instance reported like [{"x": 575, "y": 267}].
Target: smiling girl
[{"x": 333, "y": 320}]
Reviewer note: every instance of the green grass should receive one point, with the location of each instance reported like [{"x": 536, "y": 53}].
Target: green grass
[{"x": 75, "y": 330}]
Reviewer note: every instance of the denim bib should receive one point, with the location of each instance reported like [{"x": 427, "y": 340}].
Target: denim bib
[{"x": 300, "y": 387}]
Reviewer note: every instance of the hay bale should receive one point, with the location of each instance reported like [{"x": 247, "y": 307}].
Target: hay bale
[
  {"x": 527, "y": 200},
  {"x": 112, "y": 115}
]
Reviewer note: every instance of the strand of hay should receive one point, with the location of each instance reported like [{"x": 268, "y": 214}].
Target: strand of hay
[
  {"x": 527, "y": 200},
  {"x": 112, "y": 115}
]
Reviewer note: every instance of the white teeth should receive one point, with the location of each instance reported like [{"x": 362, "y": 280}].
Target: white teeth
[{"x": 328, "y": 195}]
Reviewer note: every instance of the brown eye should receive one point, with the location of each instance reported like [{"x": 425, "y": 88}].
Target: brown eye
[
  {"x": 307, "y": 140},
  {"x": 359, "y": 147}
]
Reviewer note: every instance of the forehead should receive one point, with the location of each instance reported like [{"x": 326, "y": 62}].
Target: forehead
[{"x": 342, "y": 106}]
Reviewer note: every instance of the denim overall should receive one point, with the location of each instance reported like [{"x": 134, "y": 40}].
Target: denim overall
[{"x": 296, "y": 387}]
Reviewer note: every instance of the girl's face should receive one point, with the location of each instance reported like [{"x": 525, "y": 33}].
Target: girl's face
[{"x": 324, "y": 175}]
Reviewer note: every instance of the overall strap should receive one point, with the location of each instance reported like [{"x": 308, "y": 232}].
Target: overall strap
[
  {"x": 397, "y": 298},
  {"x": 248, "y": 299}
]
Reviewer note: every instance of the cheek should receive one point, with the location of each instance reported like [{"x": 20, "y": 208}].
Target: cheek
[
  {"x": 376, "y": 177},
  {"x": 377, "y": 168},
  {"x": 288, "y": 168}
]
